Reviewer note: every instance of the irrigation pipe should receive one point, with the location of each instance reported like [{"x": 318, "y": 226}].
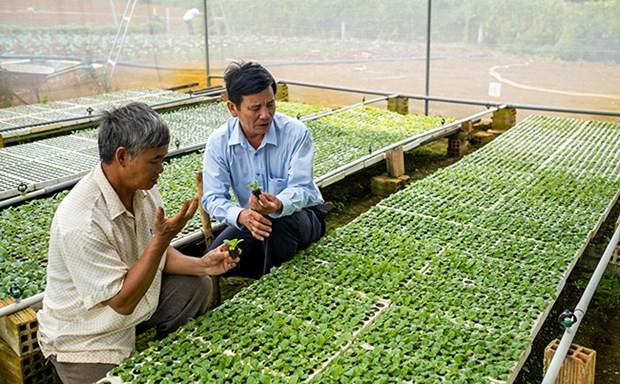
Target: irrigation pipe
[
  {"x": 70, "y": 183},
  {"x": 317, "y": 116},
  {"x": 39, "y": 192},
  {"x": 580, "y": 311},
  {"x": 21, "y": 304}
]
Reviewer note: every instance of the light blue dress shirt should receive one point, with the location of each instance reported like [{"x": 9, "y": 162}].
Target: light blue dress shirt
[{"x": 282, "y": 165}]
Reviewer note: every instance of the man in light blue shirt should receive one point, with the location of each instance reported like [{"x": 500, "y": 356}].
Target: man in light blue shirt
[{"x": 259, "y": 145}]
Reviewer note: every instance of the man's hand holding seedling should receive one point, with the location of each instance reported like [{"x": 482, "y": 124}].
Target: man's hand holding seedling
[
  {"x": 218, "y": 261},
  {"x": 260, "y": 204},
  {"x": 265, "y": 204}
]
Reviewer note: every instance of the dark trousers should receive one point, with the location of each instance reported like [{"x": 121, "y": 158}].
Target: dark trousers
[
  {"x": 181, "y": 298},
  {"x": 289, "y": 235}
]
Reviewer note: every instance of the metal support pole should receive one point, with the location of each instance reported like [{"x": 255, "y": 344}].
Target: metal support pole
[
  {"x": 440, "y": 99},
  {"x": 207, "y": 69},
  {"x": 113, "y": 11},
  {"x": 580, "y": 311},
  {"x": 316, "y": 116},
  {"x": 428, "y": 56}
]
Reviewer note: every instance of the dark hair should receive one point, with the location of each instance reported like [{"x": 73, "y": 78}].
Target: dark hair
[
  {"x": 246, "y": 78},
  {"x": 136, "y": 127}
]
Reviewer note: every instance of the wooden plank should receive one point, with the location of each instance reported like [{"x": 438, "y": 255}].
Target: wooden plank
[
  {"x": 207, "y": 231},
  {"x": 205, "y": 219},
  {"x": 395, "y": 162},
  {"x": 467, "y": 126}
]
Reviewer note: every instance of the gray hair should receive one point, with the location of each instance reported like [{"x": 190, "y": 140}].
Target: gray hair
[{"x": 136, "y": 127}]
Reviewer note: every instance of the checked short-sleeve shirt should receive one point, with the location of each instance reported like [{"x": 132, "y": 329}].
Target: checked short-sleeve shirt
[{"x": 94, "y": 241}]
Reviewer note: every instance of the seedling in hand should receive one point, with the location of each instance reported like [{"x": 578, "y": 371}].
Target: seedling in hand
[
  {"x": 233, "y": 247},
  {"x": 255, "y": 187}
]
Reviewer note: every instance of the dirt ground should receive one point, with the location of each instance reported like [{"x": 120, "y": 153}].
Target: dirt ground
[
  {"x": 546, "y": 82},
  {"x": 586, "y": 85}
]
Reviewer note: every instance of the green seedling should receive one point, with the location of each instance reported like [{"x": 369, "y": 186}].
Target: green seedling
[
  {"x": 233, "y": 247},
  {"x": 255, "y": 187}
]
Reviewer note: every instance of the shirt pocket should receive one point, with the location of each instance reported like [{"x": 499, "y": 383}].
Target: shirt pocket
[{"x": 276, "y": 185}]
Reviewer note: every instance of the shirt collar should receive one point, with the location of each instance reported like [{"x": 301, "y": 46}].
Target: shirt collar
[
  {"x": 113, "y": 202},
  {"x": 237, "y": 136},
  {"x": 271, "y": 137}
]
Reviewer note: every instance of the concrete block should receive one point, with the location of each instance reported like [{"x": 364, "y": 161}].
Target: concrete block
[
  {"x": 482, "y": 138},
  {"x": 504, "y": 119},
  {"x": 578, "y": 366},
  {"x": 457, "y": 147},
  {"x": 19, "y": 330},
  {"x": 398, "y": 104},
  {"x": 384, "y": 185},
  {"x": 282, "y": 92}
]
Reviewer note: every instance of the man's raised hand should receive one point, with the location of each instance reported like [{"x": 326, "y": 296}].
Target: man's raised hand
[{"x": 168, "y": 227}]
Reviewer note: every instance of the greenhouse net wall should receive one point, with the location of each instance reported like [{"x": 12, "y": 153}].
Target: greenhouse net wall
[
  {"x": 52, "y": 50},
  {"x": 558, "y": 53}
]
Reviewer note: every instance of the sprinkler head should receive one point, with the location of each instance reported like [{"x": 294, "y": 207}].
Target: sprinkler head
[{"x": 22, "y": 187}]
